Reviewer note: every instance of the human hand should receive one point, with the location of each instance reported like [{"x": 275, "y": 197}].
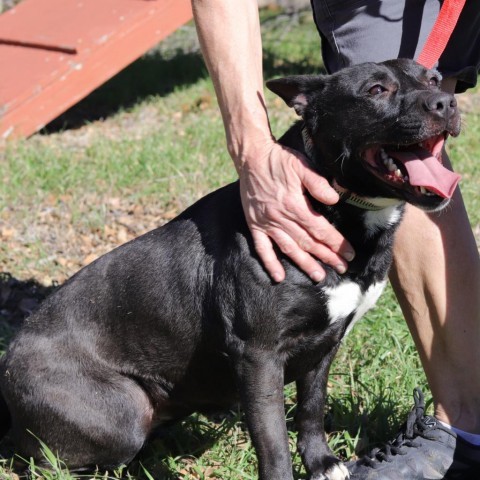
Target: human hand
[{"x": 277, "y": 210}]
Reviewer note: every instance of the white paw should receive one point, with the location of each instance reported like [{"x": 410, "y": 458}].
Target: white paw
[
  {"x": 321, "y": 476},
  {"x": 337, "y": 472}
]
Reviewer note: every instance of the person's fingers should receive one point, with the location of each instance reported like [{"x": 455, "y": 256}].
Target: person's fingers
[
  {"x": 320, "y": 250},
  {"x": 300, "y": 257},
  {"x": 308, "y": 226},
  {"x": 323, "y": 253},
  {"x": 325, "y": 233},
  {"x": 316, "y": 225},
  {"x": 264, "y": 248},
  {"x": 317, "y": 186}
]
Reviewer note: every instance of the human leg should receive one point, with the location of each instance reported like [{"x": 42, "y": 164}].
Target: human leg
[{"x": 436, "y": 277}]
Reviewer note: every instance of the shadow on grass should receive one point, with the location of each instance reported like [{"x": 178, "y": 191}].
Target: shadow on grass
[
  {"x": 181, "y": 443},
  {"x": 18, "y": 299},
  {"x": 158, "y": 74},
  {"x": 377, "y": 422},
  {"x": 151, "y": 75}
]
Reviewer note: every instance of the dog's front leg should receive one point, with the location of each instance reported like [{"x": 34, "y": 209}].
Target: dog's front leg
[
  {"x": 312, "y": 445},
  {"x": 260, "y": 380}
]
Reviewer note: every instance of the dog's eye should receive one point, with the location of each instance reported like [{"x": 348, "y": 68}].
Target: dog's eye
[
  {"x": 377, "y": 90},
  {"x": 434, "y": 82}
]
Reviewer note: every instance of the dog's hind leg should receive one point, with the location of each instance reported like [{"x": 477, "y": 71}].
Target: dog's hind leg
[
  {"x": 91, "y": 419},
  {"x": 312, "y": 444}
]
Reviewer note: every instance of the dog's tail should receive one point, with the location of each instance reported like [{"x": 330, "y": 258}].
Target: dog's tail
[{"x": 5, "y": 418}]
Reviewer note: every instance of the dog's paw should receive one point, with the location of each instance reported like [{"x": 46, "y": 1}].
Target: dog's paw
[
  {"x": 331, "y": 468},
  {"x": 337, "y": 472}
]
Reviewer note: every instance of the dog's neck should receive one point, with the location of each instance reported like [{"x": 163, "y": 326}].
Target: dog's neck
[
  {"x": 347, "y": 196},
  {"x": 366, "y": 203}
]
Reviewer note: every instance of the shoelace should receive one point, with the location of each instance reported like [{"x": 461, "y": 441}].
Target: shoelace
[{"x": 415, "y": 425}]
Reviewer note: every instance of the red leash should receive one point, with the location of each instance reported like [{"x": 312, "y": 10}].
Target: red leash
[{"x": 441, "y": 32}]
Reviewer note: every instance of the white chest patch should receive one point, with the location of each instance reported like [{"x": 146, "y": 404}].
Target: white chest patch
[
  {"x": 380, "y": 219},
  {"x": 347, "y": 298},
  {"x": 342, "y": 300}
]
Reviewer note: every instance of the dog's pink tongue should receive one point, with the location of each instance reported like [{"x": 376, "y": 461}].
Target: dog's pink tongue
[{"x": 424, "y": 170}]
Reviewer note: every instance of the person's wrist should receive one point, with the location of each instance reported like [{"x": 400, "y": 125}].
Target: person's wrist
[{"x": 250, "y": 150}]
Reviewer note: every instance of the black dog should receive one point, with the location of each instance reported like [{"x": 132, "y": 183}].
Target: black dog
[{"x": 185, "y": 318}]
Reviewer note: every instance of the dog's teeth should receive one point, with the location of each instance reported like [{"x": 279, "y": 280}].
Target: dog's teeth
[
  {"x": 383, "y": 154},
  {"x": 406, "y": 178},
  {"x": 423, "y": 190},
  {"x": 390, "y": 164}
]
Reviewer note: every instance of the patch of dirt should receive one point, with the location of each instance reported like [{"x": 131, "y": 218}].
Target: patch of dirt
[{"x": 36, "y": 258}]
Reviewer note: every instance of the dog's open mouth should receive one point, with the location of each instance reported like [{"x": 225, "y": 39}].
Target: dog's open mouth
[{"x": 417, "y": 167}]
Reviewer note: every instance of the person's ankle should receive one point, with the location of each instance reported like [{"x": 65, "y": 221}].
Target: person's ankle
[{"x": 465, "y": 419}]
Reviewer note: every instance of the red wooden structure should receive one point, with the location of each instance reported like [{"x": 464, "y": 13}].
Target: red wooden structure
[{"x": 55, "y": 52}]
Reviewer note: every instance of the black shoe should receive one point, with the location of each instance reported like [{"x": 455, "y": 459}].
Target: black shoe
[{"x": 423, "y": 450}]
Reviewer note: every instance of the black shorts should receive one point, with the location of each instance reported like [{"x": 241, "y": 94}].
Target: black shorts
[{"x": 356, "y": 31}]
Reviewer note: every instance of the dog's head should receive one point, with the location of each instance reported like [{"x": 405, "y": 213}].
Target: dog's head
[{"x": 378, "y": 129}]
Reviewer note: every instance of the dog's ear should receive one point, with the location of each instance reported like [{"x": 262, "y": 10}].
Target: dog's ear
[{"x": 296, "y": 91}]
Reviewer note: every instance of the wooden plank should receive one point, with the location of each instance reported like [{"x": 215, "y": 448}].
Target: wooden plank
[{"x": 39, "y": 79}]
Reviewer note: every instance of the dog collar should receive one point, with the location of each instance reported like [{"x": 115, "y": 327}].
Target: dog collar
[{"x": 366, "y": 203}]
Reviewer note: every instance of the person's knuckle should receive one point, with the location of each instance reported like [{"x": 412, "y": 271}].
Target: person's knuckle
[
  {"x": 271, "y": 214},
  {"x": 326, "y": 233},
  {"x": 320, "y": 234},
  {"x": 334, "y": 241},
  {"x": 320, "y": 182},
  {"x": 306, "y": 243},
  {"x": 331, "y": 258},
  {"x": 262, "y": 248},
  {"x": 322, "y": 190},
  {"x": 293, "y": 206},
  {"x": 287, "y": 247}
]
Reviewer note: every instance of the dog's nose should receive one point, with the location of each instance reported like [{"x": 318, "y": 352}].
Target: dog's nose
[{"x": 442, "y": 104}]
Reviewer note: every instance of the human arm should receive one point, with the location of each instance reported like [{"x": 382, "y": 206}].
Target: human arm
[{"x": 273, "y": 179}]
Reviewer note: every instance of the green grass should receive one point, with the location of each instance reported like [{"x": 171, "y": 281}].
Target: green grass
[{"x": 163, "y": 142}]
